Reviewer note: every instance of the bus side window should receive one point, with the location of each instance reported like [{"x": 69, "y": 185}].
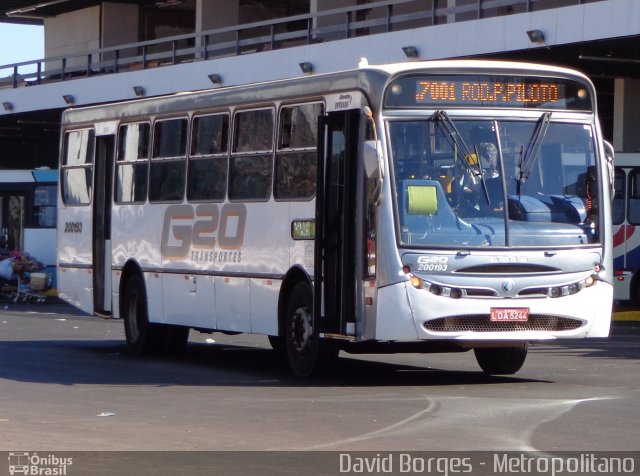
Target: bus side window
[
  {"x": 208, "y": 161},
  {"x": 77, "y": 167},
  {"x": 167, "y": 175},
  {"x": 132, "y": 163},
  {"x": 633, "y": 204},
  {"x": 617, "y": 207},
  {"x": 251, "y": 165},
  {"x": 296, "y": 158},
  {"x": 44, "y": 206}
]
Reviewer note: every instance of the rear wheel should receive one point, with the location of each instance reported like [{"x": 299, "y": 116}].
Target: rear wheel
[
  {"x": 501, "y": 360},
  {"x": 307, "y": 353}
]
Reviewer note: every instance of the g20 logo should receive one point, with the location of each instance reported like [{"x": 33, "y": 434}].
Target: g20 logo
[
  {"x": 202, "y": 227},
  {"x": 433, "y": 263}
]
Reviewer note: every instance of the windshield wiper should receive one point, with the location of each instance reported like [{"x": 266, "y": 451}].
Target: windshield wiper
[
  {"x": 457, "y": 143},
  {"x": 533, "y": 148}
]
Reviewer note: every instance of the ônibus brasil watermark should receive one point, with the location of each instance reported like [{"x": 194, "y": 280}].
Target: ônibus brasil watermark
[{"x": 38, "y": 465}]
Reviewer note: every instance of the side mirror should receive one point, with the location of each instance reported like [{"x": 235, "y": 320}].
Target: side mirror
[
  {"x": 373, "y": 158},
  {"x": 609, "y": 155},
  {"x": 372, "y": 161}
]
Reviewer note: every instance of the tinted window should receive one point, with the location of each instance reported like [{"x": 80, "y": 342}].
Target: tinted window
[
  {"x": 210, "y": 134},
  {"x": 170, "y": 138},
  {"x": 167, "y": 181},
  {"x": 133, "y": 142},
  {"x": 77, "y": 171},
  {"x": 44, "y": 206},
  {"x": 207, "y": 178},
  {"x": 79, "y": 148},
  {"x": 254, "y": 130},
  {"x": 299, "y": 126},
  {"x": 167, "y": 176},
  {"x": 633, "y": 205},
  {"x": 208, "y": 162},
  {"x": 250, "y": 170},
  {"x": 295, "y": 175},
  {"x": 132, "y": 165},
  {"x": 295, "y": 170},
  {"x": 250, "y": 177}
]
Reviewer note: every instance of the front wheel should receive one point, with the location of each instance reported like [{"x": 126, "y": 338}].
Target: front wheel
[
  {"x": 144, "y": 337},
  {"x": 307, "y": 353},
  {"x": 501, "y": 360}
]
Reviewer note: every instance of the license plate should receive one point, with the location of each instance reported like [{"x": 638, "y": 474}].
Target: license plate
[{"x": 509, "y": 314}]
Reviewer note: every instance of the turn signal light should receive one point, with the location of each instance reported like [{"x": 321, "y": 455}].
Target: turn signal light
[{"x": 416, "y": 282}]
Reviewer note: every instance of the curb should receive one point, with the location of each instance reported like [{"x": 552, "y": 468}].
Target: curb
[{"x": 626, "y": 316}]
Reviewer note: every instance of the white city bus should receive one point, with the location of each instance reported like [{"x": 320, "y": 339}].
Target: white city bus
[{"x": 417, "y": 207}]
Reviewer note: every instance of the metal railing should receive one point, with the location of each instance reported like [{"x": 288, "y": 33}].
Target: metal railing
[{"x": 367, "y": 19}]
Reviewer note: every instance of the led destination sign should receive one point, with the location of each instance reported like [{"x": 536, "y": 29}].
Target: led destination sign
[
  {"x": 469, "y": 91},
  {"x": 488, "y": 91}
]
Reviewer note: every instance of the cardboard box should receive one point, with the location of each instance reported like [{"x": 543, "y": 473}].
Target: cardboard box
[{"x": 38, "y": 281}]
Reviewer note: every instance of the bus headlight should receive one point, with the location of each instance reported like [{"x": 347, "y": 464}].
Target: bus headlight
[
  {"x": 417, "y": 282},
  {"x": 435, "y": 289},
  {"x": 573, "y": 288},
  {"x": 455, "y": 293}
]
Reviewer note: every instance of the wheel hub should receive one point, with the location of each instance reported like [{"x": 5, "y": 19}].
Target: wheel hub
[{"x": 302, "y": 329}]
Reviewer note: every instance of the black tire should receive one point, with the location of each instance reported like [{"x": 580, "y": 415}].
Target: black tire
[
  {"x": 501, "y": 360},
  {"x": 307, "y": 353},
  {"x": 142, "y": 336}
]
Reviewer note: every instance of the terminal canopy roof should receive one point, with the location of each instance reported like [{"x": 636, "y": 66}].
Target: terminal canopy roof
[{"x": 33, "y": 12}]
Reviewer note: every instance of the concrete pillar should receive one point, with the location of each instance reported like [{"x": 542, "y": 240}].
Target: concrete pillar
[
  {"x": 72, "y": 33},
  {"x": 323, "y": 5},
  {"x": 626, "y": 115},
  {"x": 451, "y": 17},
  {"x": 212, "y": 14},
  {"x": 120, "y": 26}
]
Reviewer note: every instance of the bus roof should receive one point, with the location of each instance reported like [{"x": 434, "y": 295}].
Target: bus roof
[
  {"x": 373, "y": 76},
  {"x": 518, "y": 67},
  {"x": 29, "y": 176}
]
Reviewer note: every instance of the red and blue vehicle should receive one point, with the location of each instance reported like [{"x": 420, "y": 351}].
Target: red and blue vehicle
[{"x": 626, "y": 227}]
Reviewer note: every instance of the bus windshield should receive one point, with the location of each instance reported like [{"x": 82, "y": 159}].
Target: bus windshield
[{"x": 465, "y": 182}]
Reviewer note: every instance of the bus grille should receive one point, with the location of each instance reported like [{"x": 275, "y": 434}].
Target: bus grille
[{"x": 482, "y": 323}]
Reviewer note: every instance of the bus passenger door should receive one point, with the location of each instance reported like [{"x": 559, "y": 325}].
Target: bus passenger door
[
  {"x": 102, "y": 197},
  {"x": 335, "y": 253}
]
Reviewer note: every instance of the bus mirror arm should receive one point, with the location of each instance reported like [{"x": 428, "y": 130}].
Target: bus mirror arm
[{"x": 609, "y": 154}]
